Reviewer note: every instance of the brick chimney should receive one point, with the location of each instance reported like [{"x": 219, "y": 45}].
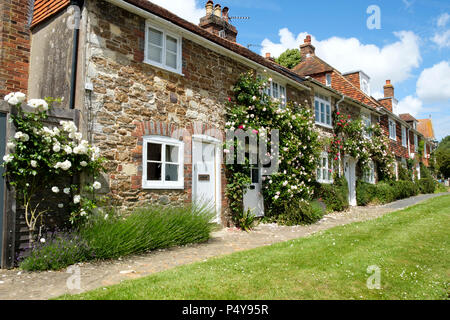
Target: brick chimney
[
  {"x": 388, "y": 89},
  {"x": 307, "y": 49},
  {"x": 216, "y": 21},
  {"x": 269, "y": 57},
  {"x": 14, "y": 46}
]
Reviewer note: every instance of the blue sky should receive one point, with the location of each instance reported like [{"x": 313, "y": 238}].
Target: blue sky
[{"x": 412, "y": 48}]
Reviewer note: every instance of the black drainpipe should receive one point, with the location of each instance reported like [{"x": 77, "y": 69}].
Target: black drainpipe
[{"x": 73, "y": 75}]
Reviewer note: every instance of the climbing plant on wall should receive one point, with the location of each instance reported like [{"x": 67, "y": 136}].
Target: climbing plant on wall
[
  {"x": 40, "y": 157},
  {"x": 252, "y": 110},
  {"x": 351, "y": 137}
]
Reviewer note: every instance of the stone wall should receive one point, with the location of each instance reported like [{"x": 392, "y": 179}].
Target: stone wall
[{"x": 132, "y": 99}]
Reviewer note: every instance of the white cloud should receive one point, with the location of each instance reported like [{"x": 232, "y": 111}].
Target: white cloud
[
  {"x": 443, "y": 19},
  {"x": 442, "y": 39},
  {"x": 186, "y": 9},
  {"x": 433, "y": 84},
  {"x": 411, "y": 105},
  {"x": 393, "y": 61}
]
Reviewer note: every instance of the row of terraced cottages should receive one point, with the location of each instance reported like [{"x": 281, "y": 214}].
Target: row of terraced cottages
[{"x": 132, "y": 73}]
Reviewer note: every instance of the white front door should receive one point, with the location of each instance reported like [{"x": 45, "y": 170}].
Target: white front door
[
  {"x": 253, "y": 198},
  {"x": 206, "y": 175},
  {"x": 350, "y": 175}
]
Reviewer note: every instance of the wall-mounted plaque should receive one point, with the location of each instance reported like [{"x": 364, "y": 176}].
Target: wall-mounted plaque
[{"x": 203, "y": 177}]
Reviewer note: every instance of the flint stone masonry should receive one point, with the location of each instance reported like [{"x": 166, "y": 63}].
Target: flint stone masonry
[{"x": 132, "y": 99}]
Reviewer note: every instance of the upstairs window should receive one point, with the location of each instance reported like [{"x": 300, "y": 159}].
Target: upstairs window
[
  {"x": 328, "y": 79},
  {"x": 163, "y": 163},
  {"x": 416, "y": 143},
  {"x": 367, "y": 121},
  {"x": 392, "y": 130},
  {"x": 325, "y": 169},
  {"x": 276, "y": 91},
  {"x": 404, "y": 137},
  {"x": 322, "y": 108},
  {"x": 162, "y": 49}
]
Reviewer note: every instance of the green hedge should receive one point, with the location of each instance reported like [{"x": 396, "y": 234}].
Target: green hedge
[
  {"x": 385, "y": 192},
  {"x": 334, "y": 196},
  {"x": 298, "y": 212}
]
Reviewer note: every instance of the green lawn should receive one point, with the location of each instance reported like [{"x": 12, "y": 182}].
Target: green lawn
[{"x": 411, "y": 248}]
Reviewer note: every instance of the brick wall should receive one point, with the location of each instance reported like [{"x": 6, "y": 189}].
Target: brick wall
[{"x": 14, "y": 46}]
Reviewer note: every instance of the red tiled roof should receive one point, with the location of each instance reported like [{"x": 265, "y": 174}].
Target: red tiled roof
[
  {"x": 312, "y": 65},
  {"x": 44, "y": 9},
  {"x": 425, "y": 127},
  {"x": 407, "y": 117}
]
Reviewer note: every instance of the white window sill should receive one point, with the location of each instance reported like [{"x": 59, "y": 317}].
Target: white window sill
[
  {"x": 162, "y": 187},
  {"x": 324, "y": 125},
  {"x": 325, "y": 181},
  {"x": 393, "y": 139},
  {"x": 163, "y": 67}
]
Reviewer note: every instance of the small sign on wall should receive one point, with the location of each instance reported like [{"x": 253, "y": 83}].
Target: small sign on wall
[{"x": 203, "y": 177}]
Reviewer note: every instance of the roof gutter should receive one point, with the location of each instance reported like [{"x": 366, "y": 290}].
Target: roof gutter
[
  {"x": 146, "y": 14},
  {"x": 74, "y": 65}
]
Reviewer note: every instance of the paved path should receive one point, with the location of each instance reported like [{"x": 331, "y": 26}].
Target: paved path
[{"x": 16, "y": 284}]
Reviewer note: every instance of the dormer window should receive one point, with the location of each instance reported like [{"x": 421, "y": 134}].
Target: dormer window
[{"x": 328, "y": 79}]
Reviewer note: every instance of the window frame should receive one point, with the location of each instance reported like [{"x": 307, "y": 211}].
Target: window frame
[
  {"x": 404, "y": 137},
  {"x": 394, "y": 136},
  {"x": 367, "y": 121},
  {"x": 165, "y": 33},
  {"x": 328, "y": 80},
  {"x": 369, "y": 174},
  {"x": 319, "y": 177},
  {"x": 163, "y": 184},
  {"x": 327, "y": 102},
  {"x": 281, "y": 90},
  {"x": 416, "y": 143}
]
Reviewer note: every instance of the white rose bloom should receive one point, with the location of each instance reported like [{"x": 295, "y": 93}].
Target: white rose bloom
[
  {"x": 38, "y": 104},
  {"x": 9, "y": 96},
  {"x": 21, "y": 97},
  {"x": 68, "y": 149},
  {"x": 18, "y": 135},
  {"x": 77, "y": 199},
  {"x": 13, "y": 101},
  {"x": 97, "y": 185},
  {"x": 60, "y": 205},
  {"x": 83, "y": 163},
  {"x": 57, "y": 148},
  {"x": 55, "y": 190},
  {"x": 8, "y": 158},
  {"x": 83, "y": 213},
  {"x": 34, "y": 163},
  {"x": 42, "y": 240},
  {"x": 66, "y": 190},
  {"x": 11, "y": 145},
  {"x": 78, "y": 135}
]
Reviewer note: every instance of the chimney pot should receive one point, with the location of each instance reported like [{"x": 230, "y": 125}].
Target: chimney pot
[
  {"x": 225, "y": 13},
  {"x": 307, "y": 49},
  {"x": 307, "y": 39},
  {"x": 218, "y": 10},
  {"x": 268, "y": 55},
  {"x": 209, "y": 8}
]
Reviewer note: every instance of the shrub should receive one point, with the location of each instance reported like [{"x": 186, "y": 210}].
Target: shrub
[
  {"x": 404, "y": 189},
  {"x": 440, "y": 187},
  {"x": 365, "y": 193},
  {"x": 404, "y": 174},
  {"x": 427, "y": 185},
  {"x": 246, "y": 221},
  {"x": 146, "y": 229},
  {"x": 424, "y": 172},
  {"x": 59, "y": 251},
  {"x": 299, "y": 212},
  {"x": 335, "y": 196}
]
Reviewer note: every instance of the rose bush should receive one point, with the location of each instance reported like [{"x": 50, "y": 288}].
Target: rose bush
[{"x": 39, "y": 157}]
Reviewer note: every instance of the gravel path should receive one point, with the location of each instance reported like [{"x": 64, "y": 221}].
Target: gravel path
[{"x": 16, "y": 284}]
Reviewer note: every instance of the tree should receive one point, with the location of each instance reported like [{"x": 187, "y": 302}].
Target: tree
[
  {"x": 442, "y": 156},
  {"x": 290, "y": 58}
]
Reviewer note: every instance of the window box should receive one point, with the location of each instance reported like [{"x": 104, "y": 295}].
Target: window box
[
  {"x": 162, "y": 49},
  {"x": 162, "y": 163}
]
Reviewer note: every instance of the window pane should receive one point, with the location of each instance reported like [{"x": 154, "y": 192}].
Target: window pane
[
  {"x": 255, "y": 175},
  {"x": 322, "y": 113},
  {"x": 154, "y": 151},
  {"x": 328, "y": 115},
  {"x": 275, "y": 90},
  {"x": 171, "y": 60},
  {"x": 324, "y": 174},
  {"x": 154, "y": 171},
  {"x": 318, "y": 174},
  {"x": 155, "y": 37},
  {"x": 172, "y": 172},
  {"x": 172, "y": 153},
  {"x": 171, "y": 44},
  {"x": 155, "y": 54},
  {"x": 317, "y": 111}
]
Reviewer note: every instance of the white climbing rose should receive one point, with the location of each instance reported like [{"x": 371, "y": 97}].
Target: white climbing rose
[
  {"x": 66, "y": 190},
  {"x": 97, "y": 185},
  {"x": 55, "y": 190},
  {"x": 77, "y": 199},
  {"x": 34, "y": 163}
]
